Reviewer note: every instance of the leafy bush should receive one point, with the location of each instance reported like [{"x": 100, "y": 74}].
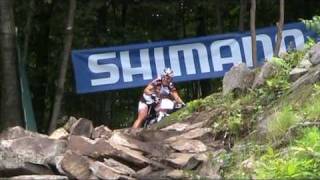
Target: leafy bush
[
  {"x": 194, "y": 105},
  {"x": 313, "y": 24},
  {"x": 300, "y": 160}
]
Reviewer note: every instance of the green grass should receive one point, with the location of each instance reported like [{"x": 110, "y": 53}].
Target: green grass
[
  {"x": 285, "y": 119},
  {"x": 311, "y": 109},
  {"x": 299, "y": 160}
]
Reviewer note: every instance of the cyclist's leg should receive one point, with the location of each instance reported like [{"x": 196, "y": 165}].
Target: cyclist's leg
[{"x": 142, "y": 114}]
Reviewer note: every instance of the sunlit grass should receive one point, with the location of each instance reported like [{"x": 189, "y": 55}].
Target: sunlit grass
[{"x": 284, "y": 120}]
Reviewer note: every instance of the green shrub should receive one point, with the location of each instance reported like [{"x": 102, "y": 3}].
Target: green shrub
[
  {"x": 300, "y": 160},
  {"x": 313, "y": 24},
  {"x": 194, "y": 105}
]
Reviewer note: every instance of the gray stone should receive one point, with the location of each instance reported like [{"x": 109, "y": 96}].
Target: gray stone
[
  {"x": 305, "y": 62},
  {"x": 70, "y": 122},
  {"x": 190, "y": 146},
  {"x": 315, "y": 54},
  {"x": 267, "y": 70},
  {"x": 101, "y": 132},
  {"x": 83, "y": 127},
  {"x": 240, "y": 77},
  {"x": 118, "y": 167},
  {"x": 75, "y": 166},
  {"x": 296, "y": 73},
  {"x": 59, "y": 133},
  {"x": 18, "y": 132},
  {"x": 40, "y": 177},
  {"x": 38, "y": 150},
  {"x": 102, "y": 171}
]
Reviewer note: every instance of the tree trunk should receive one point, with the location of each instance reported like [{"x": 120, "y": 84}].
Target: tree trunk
[
  {"x": 253, "y": 32},
  {"x": 242, "y": 14},
  {"x": 64, "y": 65},
  {"x": 27, "y": 31},
  {"x": 10, "y": 95},
  {"x": 279, "y": 27}
]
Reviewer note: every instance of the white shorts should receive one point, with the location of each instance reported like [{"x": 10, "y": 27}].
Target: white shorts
[{"x": 142, "y": 106}]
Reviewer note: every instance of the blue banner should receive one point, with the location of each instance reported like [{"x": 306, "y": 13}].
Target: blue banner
[{"x": 135, "y": 65}]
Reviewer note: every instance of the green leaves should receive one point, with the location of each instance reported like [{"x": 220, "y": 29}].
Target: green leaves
[
  {"x": 297, "y": 161},
  {"x": 313, "y": 24}
]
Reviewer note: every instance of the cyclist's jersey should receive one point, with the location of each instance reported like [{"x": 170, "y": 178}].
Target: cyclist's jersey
[{"x": 159, "y": 89}]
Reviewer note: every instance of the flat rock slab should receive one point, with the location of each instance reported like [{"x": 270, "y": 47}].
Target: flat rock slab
[
  {"x": 75, "y": 166},
  {"x": 40, "y": 177},
  {"x": 296, "y": 73},
  {"x": 102, "y": 171},
  {"x": 192, "y": 134},
  {"x": 118, "y": 167},
  {"x": 18, "y": 132},
  {"x": 190, "y": 146},
  {"x": 183, "y": 160},
  {"x": 36, "y": 150}
]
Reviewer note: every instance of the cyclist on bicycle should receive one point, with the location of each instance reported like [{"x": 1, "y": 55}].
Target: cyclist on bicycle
[{"x": 154, "y": 91}]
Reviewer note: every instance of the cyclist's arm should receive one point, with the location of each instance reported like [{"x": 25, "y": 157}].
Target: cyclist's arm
[
  {"x": 149, "y": 89},
  {"x": 176, "y": 97}
]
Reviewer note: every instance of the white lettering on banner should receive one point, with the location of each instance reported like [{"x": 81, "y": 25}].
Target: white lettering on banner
[
  {"x": 297, "y": 36},
  {"x": 129, "y": 71},
  {"x": 187, "y": 50},
  {"x": 95, "y": 67},
  {"x": 217, "y": 60},
  {"x": 266, "y": 45}
]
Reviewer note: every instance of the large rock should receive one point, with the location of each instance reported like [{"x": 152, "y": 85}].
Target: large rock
[
  {"x": 119, "y": 167},
  {"x": 183, "y": 160},
  {"x": 296, "y": 73},
  {"x": 102, "y": 132},
  {"x": 185, "y": 126},
  {"x": 93, "y": 148},
  {"x": 315, "y": 54},
  {"x": 240, "y": 77},
  {"x": 75, "y": 166},
  {"x": 11, "y": 166},
  {"x": 72, "y": 120},
  {"x": 312, "y": 76},
  {"x": 153, "y": 148},
  {"x": 59, "y": 133},
  {"x": 166, "y": 174},
  {"x": 102, "y": 171},
  {"x": 40, "y": 177},
  {"x": 190, "y": 146},
  {"x": 83, "y": 127},
  {"x": 267, "y": 70},
  {"x": 305, "y": 62},
  {"x": 38, "y": 150},
  {"x": 210, "y": 167},
  {"x": 29, "y": 155},
  {"x": 192, "y": 134},
  {"x": 18, "y": 132}
]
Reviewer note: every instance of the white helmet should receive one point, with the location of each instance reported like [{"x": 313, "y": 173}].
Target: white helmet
[{"x": 167, "y": 72}]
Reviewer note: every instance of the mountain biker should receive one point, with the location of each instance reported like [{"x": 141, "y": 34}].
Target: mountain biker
[{"x": 158, "y": 88}]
